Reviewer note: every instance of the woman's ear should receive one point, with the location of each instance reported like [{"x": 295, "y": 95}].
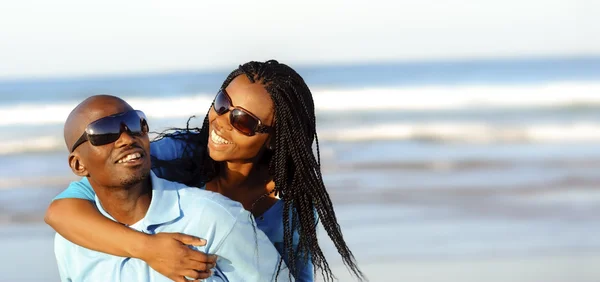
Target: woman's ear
[{"x": 76, "y": 164}]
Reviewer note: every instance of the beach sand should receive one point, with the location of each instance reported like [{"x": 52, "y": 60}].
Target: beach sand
[
  {"x": 552, "y": 268},
  {"x": 28, "y": 256}
]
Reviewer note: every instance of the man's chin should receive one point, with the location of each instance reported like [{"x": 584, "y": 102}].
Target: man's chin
[{"x": 134, "y": 179}]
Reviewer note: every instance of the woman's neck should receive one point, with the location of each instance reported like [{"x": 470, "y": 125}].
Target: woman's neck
[{"x": 246, "y": 183}]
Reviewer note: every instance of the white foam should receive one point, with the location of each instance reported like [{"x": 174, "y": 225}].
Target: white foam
[
  {"x": 459, "y": 97},
  {"x": 467, "y": 132},
  {"x": 32, "y": 144},
  {"x": 424, "y": 98},
  {"x": 443, "y": 132},
  {"x": 37, "y": 114}
]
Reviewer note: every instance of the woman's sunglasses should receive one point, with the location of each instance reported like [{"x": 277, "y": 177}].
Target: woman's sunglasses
[
  {"x": 241, "y": 119},
  {"x": 108, "y": 129}
]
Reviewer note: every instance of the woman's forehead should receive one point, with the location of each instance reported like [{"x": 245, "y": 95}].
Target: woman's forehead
[{"x": 250, "y": 96}]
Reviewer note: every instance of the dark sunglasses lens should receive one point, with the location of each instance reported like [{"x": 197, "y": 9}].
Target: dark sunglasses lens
[
  {"x": 103, "y": 139},
  {"x": 108, "y": 129},
  {"x": 221, "y": 104},
  {"x": 243, "y": 122}
]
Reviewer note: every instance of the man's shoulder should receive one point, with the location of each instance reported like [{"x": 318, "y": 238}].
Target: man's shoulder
[
  {"x": 193, "y": 199},
  {"x": 196, "y": 198}
]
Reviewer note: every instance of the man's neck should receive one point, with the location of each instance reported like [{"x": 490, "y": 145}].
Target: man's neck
[{"x": 127, "y": 205}]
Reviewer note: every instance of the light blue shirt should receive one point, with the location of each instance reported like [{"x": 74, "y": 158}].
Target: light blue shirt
[
  {"x": 244, "y": 253},
  {"x": 270, "y": 222}
]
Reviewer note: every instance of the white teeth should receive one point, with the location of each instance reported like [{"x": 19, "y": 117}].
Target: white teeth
[
  {"x": 130, "y": 157},
  {"x": 218, "y": 139}
]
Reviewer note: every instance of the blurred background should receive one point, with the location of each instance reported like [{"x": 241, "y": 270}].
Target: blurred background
[{"x": 459, "y": 139}]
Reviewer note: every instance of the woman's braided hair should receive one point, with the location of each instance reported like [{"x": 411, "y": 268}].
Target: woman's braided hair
[{"x": 292, "y": 163}]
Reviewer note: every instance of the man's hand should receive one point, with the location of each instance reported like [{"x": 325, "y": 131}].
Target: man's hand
[{"x": 170, "y": 255}]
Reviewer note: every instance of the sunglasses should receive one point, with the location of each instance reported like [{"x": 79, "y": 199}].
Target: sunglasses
[
  {"x": 108, "y": 129},
  {"x": 241, "y": 119}
]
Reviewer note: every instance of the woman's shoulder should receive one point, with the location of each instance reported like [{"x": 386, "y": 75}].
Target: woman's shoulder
[{"x": 173, "y": 145}]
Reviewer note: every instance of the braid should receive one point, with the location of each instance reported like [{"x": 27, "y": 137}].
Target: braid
[{"x": 295, "y": 169}]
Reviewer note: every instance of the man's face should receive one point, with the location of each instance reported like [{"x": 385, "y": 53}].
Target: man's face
[{"x": 119, "y": 164}]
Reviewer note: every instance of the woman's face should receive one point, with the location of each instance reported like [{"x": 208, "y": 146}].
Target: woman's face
[{"x": 225, "y": 143}]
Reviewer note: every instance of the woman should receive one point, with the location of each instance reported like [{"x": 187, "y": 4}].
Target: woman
[{"x": 255, "y": 147}]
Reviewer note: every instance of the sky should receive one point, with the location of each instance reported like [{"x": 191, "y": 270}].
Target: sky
[{"x": 77, "y": 38}]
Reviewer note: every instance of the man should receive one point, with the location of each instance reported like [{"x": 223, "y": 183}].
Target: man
[{"x": 109, "y": 145}]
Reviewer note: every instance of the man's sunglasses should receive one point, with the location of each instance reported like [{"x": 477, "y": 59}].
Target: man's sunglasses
[
  {"x": 108, "y": 129},
  {"x": 241, "y": 119}
]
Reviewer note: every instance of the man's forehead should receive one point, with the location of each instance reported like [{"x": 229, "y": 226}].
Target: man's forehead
[
  {"x": 96, "y": 114},
  {"x": 88, "y": 116},
  {"x": 90, "y": 110}
]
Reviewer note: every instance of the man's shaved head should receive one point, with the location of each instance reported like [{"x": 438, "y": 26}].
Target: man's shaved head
[
  {"x": 120, "y": 163},
  {"x": 91, "y": 109}
]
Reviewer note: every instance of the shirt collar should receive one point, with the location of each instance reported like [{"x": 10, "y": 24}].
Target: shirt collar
[{"x": 164, "y": 206}]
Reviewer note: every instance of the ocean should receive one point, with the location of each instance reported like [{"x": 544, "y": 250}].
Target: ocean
[{"x": 438, "y": 161}]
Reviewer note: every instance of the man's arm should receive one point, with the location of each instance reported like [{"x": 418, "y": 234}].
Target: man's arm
[{"x": 246, "y": 254}]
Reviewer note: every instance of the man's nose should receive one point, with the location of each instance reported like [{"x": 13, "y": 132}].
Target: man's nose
[{"x": 126, "y": 138}]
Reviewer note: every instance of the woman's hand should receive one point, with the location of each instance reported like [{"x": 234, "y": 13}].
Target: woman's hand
[{"x": 170, "y": 254}]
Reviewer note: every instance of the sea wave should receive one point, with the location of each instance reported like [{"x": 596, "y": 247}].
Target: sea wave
[
  {"x": 433, "y": 98},
  {"x": 424, "y": 98},
  {"x": 39, "y": 114},
  {"x": 439, "y": 132},
  {"x": 468, "y": 132}
]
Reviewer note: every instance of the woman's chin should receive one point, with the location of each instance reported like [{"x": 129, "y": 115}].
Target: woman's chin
[{"x": 217, "y": 156}]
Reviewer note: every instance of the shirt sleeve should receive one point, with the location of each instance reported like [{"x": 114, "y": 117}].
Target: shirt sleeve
[
  {"x": 305, "y": 270},
  {"x": 168, "y": 148},
  {"x": 246, "y": 254},
  {"x": 78, "y": 190}
]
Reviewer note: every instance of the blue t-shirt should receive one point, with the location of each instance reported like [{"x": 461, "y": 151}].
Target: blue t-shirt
[{"x": 270, "y": 222}]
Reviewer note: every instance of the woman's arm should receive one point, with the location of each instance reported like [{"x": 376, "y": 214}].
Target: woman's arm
[{"x": 80, "y": 222}]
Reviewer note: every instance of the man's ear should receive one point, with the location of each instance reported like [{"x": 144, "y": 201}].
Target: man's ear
[{"x": 77, "y": 166}]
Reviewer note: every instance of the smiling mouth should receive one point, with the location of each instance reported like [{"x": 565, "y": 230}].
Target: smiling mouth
[
  {"x": 215, "y": 138},
  {"x": 130, "y": 158}
]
